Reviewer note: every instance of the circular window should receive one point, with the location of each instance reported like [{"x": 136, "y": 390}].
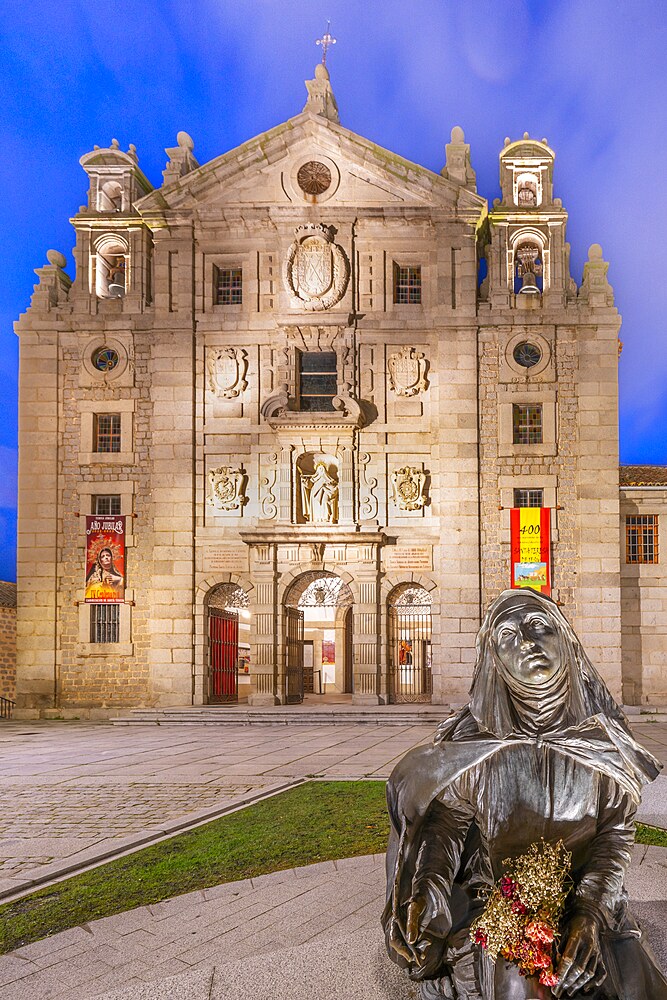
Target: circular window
[
  {"x": 105, "y": 359},
  {"x": 527, "y": 355},
  {"x": 314, "y": 177}
]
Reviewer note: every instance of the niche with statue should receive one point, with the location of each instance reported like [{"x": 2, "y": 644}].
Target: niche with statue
[{"x": 317, "y": 489}]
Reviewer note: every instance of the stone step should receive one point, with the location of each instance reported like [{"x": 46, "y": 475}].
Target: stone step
[{"x": 296, "y": 715}]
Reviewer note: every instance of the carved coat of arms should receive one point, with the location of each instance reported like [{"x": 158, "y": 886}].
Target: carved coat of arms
[
  {"x": 407, "y": 372},
  {"x": 317, "y": 269},
  {"x": 225, "y": 370},
  {"x": 407, "y": 485},
  {"x": 227, "y": 488}
]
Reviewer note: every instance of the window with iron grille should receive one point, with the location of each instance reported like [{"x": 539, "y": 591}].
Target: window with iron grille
[
  {"x": 527, "y": 423},
  {"x": 106, "y": 504},
  {"x": 528, "y": 498},
  {"x": 407, "y": 285},
  {"x": 105, "y": 623},
  {"x": 318, "y": 380},
  {"x": 106, "y": 432},
  {"x": 641, "y": 538},
  {"x": 228, "y": 286}
]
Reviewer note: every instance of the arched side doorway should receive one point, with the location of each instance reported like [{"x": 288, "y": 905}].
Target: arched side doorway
[
  {"x": 319, "y": 628},
  {"x": 410, "y": 677},
  {"x": 228, "y": 643}
]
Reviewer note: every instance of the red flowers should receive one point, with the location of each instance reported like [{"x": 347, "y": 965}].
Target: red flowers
[{"x": 536, "y": 930}]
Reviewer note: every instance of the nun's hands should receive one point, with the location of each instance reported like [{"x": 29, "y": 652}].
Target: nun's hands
[{"x": 581, "y": 964}]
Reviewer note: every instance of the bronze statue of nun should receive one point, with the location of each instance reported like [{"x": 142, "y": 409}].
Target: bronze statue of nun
[{"x": 541, "y": 751}]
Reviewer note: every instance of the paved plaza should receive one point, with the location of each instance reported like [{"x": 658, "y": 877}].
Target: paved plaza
[
  {"x": 71, "y": 793},
  {"x": 71, "y": 790}
]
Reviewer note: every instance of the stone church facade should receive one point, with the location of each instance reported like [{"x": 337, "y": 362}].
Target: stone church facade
[{"x": 315, "y": 377}]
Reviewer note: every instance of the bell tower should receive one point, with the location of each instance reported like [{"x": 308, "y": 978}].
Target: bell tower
[{"x": 528, "y": 257}]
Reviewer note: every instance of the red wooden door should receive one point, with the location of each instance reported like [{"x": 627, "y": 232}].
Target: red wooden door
[{"x": 223, "y": 644}]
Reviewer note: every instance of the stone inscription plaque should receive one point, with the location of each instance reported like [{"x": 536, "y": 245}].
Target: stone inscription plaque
[
  {"x": 409, "y": 558},
  {"x": 225, "y": 558}
]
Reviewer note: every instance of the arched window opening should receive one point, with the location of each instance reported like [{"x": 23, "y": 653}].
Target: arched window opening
[
  {"x": 528, "y": 269},
  {"x": 410, "y": 675},
  {"x": 228, "y": 644},
  {"x": 527, "y": 191},
  {"x": 110, "y": 270},
  {"x": 110, "y": 197}
]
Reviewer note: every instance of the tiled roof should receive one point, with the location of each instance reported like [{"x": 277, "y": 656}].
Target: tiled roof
[
  {"x": 7, "y": 594},
  {"x": 643, "y": 475}
]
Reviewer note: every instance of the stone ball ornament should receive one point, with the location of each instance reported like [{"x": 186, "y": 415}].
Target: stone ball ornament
[
  {"x": 511, "y": 833},
  {"x": 56, "y": 258}
]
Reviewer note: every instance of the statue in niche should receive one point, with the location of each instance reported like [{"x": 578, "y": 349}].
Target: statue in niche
[
  {"x": 541, "y": 751},
  {"x": 319, "y": 496}
]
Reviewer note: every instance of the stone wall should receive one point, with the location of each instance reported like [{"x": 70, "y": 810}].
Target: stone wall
[
  {"x": 644, "y": 605},
  {"x": 8, "y": 653}
]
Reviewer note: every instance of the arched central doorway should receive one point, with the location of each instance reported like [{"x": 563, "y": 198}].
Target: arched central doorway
[{"x": 319, "y": 628}]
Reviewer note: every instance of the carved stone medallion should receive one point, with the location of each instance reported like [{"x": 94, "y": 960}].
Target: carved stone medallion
[
  {"x": 225, "y": 369},
  {"x": 317, "y": 270},
  {"x": 407, "y": 485},
  {"x": 407, "y": 372},
  {"x": 227, "y": 488}
]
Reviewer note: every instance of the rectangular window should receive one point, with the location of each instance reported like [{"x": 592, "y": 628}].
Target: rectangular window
[
  {"x": 106, "y": 504},
  {"x": 228, "y": 286},
  {"x": 407, "y": 285},
  {"x": 318, "y": 380},
  {"x": 527, "y": 423},
  {"x": 104, "y": 623},
  {"x": 528, "y": 498},
  {"x": 641, "y": 538},
  {"x": 106, "y": 432}
]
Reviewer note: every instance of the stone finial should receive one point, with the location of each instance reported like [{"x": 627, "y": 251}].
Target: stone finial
[
  {"x": 595, "y": 288},
  {"x": 457, "y": 166},
  {"x": 321, "y": 100},
  {"x": 181, "y": 161},
  {"x": 53, "y": 284},
  {"x": 56, "y": 258}
]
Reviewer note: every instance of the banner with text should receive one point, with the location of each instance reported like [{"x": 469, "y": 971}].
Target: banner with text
[
  {"x": 530, "y": 546},
  {"x": 105, "y": 559}
]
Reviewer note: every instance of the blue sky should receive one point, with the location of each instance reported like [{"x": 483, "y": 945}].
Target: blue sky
[{"x": 589, "y": 75}]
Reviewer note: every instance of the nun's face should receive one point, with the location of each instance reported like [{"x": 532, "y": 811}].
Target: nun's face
[{"x": 527, "y": 644}]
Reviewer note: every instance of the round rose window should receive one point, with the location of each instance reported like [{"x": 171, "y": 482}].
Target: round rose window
[
  {"x": 105, "y": 359},
  {"x": 527, "y": 355},
  {"x": 314, "y": 177}
]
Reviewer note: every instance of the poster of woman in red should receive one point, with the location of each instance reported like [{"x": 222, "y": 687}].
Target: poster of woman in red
[{"x": 105, "y": 560}]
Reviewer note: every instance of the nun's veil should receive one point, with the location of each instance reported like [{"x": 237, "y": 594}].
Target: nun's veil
[{"x": 500, "y": 705}]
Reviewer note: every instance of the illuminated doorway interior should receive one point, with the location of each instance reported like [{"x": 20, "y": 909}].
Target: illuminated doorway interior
[{"x": 320, "y": 661}]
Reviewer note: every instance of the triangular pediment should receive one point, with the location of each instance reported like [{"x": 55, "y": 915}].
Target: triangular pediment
[{"x": 265, "y": 171}]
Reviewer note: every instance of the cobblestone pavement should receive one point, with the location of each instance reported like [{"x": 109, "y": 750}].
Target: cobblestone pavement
[
  {"x": 305, "y": 934},
  {"x": 70, "y": 792}
]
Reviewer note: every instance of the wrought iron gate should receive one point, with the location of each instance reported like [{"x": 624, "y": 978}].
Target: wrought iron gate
[
  {"x": 410, "y": 678},
  {"x": 294, "y": 646},
  {"x": 223, "y": 644},
  {"x": 348, "y": 663}
]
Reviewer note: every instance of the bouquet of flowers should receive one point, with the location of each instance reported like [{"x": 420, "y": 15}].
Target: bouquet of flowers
[{"x": 522, "y": 915}]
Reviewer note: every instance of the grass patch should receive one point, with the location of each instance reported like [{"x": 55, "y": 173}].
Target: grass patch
[
  {"x": 651, "y": 835},
  {"x": 318, "y": 821}
]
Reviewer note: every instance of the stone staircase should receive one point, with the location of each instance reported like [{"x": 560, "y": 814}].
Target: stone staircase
[{"x": 294, "y": 715}]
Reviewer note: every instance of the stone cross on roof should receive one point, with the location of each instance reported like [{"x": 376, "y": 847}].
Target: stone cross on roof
[{"x": 326, "y": 41}]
